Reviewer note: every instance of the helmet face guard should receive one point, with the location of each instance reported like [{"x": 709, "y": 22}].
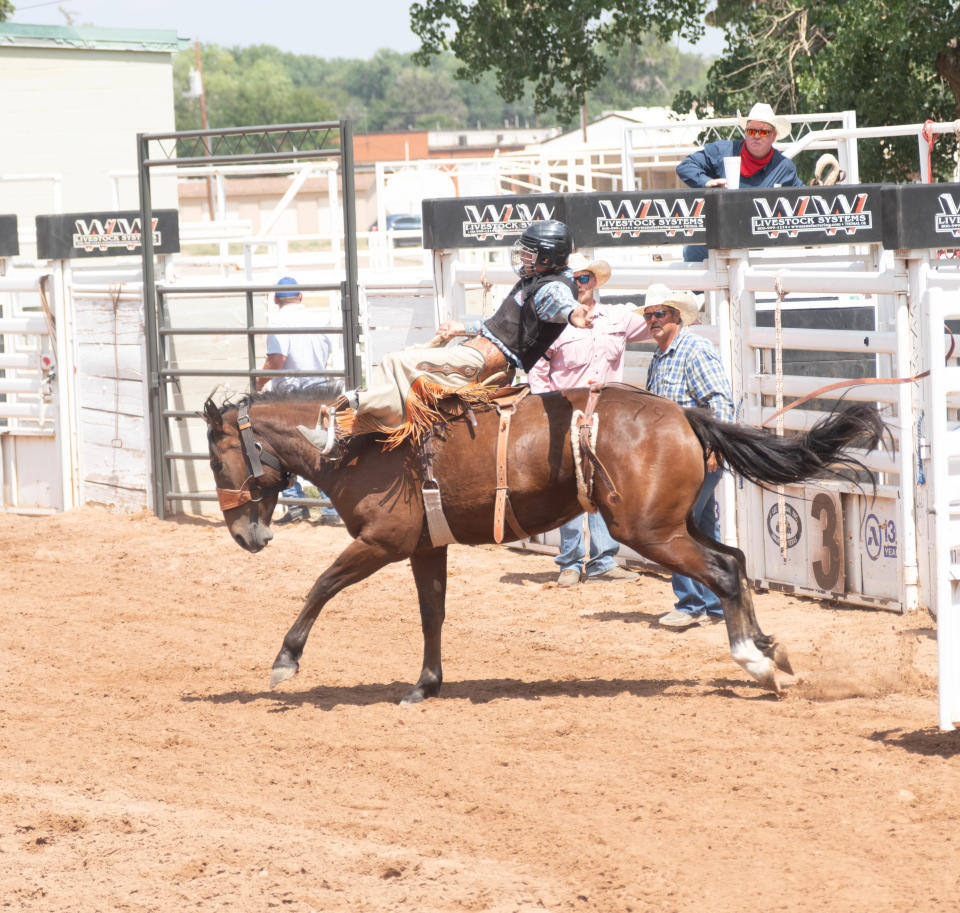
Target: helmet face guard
[
  {"x": 546, "y": 244},
  {"x": 523, "y": 257}
]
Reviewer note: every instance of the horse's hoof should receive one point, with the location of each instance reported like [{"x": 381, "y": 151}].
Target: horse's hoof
[
  {"x": 781, "y": 660},
  {"x": 281, "y": 673},
  {"x": 413, "y": 696},
  {"x": 420, "y": 692},
  {"x": 757, "y": 663}
]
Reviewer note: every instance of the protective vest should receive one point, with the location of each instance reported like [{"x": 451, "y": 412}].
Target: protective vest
[{"x": 519, "y": 328}]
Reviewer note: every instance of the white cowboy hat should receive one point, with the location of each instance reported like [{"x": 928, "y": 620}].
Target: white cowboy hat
[
  {"x": 684, "y": 301},
  {"x": 580, "y": 264},
  {"x": 764, "y": 114}
]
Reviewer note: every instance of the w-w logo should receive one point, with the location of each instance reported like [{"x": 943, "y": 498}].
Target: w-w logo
[
  {"x": 102, "y": 235},
  {"x": 811, "y": 214},
  {"x": 948, "y": 219},
  {"x": 505, "y": 219},
  {"x": 635, "y": 217}
]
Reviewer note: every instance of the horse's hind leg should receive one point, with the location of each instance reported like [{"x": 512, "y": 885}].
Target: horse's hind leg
[
  {"x": 357, "y": 561},
  {"x": 722, "y": 570},
  {"x": 742, "y": 624},
  {"x": 430, "y": 574}
]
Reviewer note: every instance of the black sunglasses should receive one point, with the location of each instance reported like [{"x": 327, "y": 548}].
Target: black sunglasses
[
  {"x": 658, "y": 314},
  {"x": 583, "y": 280}
]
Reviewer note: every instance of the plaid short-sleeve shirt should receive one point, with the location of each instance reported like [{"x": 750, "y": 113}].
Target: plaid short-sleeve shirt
[{"x": 691, "y": 374}]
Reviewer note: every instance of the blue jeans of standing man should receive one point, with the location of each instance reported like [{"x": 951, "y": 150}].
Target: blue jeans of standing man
[
  {"x": 296, "y": 491},
  {"x": 602, "y": 546},
  {"x": 693, "y": 596}
]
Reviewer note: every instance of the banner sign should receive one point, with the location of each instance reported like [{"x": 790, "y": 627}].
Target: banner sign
[
  {"x": 792, "y": 216},
  {"x": 921, "y": 215},
  {"x": 104, "y": 234},
  {"x": 456, "y": 222},
  {"x": 9, "y": 242},
  {"x": 658, "y": 217}
]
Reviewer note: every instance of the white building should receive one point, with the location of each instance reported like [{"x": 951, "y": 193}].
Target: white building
[{"x": 108, "y": 85}]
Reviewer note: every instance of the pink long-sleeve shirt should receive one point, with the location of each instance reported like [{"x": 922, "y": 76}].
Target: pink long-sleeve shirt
[{"x": 580, "y": 358}]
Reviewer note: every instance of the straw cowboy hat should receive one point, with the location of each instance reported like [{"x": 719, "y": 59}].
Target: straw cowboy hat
[
  {"x": 580, "y": 264},
  {"x": 684, "y": 301},
  {"x": 764, "y": 114}
]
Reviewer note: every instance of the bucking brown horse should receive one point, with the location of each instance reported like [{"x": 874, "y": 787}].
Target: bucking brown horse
[{"x": 652, "y": 451}]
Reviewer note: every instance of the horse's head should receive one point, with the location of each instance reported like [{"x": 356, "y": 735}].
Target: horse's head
[{"x": 249, "y": 479}]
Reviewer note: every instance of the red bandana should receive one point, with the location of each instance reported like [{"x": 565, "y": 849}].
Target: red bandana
[{"x": 750, "y": 165}]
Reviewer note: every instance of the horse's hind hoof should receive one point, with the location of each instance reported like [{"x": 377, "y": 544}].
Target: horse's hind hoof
[
  {"x": 781, "y": 660},
  {"x": 777, "y": 652},
  {"x": 281, "y": 673},
  {"x": 758, "y": 663}
]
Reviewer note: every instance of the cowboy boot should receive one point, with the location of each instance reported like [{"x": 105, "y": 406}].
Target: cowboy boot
[{"x": 324, "y": 439}]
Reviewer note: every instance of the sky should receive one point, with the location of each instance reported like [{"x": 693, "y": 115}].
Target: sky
[{"x": 323, "y": 28}]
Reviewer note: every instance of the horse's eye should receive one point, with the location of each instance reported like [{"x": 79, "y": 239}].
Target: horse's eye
[{"x": 216, "y": 465}]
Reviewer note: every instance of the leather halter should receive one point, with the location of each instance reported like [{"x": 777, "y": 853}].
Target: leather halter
[{"x": 255, "y": 457}]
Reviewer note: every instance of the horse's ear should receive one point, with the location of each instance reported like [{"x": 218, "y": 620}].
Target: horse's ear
[{"x": 212, "y": 416}]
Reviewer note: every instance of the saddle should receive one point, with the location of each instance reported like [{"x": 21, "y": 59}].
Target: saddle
[
  {"x": 504, "y": 400},
  {"x": 583, "y": 435}
]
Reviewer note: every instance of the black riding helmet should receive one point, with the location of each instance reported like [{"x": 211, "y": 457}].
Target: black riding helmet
[{"x": 547, "y": 243}]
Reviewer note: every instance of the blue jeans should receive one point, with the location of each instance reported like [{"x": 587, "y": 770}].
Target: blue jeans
[
  {"x": 695, "y": 253},
  {"x": 602, "y": 545},
  {"x": 296, "y": 491},
  {"x": 693, "y": 596}
]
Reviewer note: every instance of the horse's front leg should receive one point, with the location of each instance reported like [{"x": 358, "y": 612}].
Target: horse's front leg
[
  {"x": 357, "y": 561},
  {"x": 430, "y": 574}
]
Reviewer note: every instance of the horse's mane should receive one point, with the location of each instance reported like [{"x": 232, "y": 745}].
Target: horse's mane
[{"x": 324, "y": 392}]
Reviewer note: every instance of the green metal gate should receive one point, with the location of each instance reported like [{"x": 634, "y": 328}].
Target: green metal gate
[{"x": 166, "y": 328}]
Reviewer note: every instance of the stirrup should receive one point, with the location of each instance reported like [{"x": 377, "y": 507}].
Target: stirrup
[{"x": 324, "y": 439}]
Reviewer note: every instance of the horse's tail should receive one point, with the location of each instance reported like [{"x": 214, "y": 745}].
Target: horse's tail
[{"x": 767, "y": 459}]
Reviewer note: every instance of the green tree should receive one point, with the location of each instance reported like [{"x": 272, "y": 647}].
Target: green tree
[
  {"x": 649, "y": 74},
  {"x": 261, "y": 84},
  {"x": 7, "y": 9},
  {"x": 891, "y": 61},
  {"x": 246, "y": 87},
  {"x": 552, "y": 45}
]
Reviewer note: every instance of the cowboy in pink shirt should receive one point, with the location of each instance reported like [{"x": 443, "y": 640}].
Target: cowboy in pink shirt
[{"x": 580, "y": 358}]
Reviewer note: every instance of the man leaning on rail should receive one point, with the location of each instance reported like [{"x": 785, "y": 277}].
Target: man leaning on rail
[{"x": 760, "y": 164}]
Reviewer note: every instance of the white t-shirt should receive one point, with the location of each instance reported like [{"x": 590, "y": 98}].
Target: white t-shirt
[{"x": 303, "y": 351}]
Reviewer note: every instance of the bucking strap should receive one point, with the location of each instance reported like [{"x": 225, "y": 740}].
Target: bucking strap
[
  {"x": 502, "y": 509},
  {"x": 586, "y": 442}
]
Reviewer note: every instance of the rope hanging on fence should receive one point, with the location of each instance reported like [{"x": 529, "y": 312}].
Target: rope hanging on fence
[
  {"x": 116, "y": 291},
  {"x": 778, "y": 368},
  {"x": 859, "y": 381},
  {"x": 487, "y": 285}
]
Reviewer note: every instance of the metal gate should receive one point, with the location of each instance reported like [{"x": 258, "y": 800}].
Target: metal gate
[
  {"x": 36, "y": 456},
  {"x": 181, "y": 347}
]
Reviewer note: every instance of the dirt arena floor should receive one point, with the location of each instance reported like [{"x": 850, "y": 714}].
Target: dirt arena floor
[{"x": 580, "y": 758}]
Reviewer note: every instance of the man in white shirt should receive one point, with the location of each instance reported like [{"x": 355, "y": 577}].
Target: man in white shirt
[{"x": 295, "y": 352}]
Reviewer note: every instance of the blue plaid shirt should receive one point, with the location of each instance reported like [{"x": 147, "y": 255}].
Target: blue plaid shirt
[{"x": 691, "y": 374}]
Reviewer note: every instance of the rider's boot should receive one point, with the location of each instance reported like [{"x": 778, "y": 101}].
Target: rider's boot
[{"x": 324, "y": 439}]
